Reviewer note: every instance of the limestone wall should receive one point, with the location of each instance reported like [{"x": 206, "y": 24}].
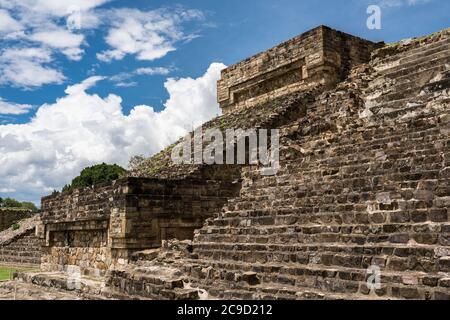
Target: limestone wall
[{"x": 321, "y": 56}]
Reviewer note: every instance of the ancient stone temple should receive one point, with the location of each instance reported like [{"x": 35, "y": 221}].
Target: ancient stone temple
[{"x": 363, "y": 186}]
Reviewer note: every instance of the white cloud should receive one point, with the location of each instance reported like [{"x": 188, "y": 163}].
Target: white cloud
[
  {"x": 64, "y": 40},
  {"x": 148, "y": 35},
  {"x": 52, "y": 7},
  {"x": 153, "y": 71},
  {"x": 401, "y": 3},
  {"x": 13, "y": 108},
  {"x": 82, "y": 129},
  {"x": 126, "y": 84},
  {"x": 123, "y": 79},
  {"x": 27, "y": 67},
  {"x": 7, "y": 23},
  {"x": 41, "y": 25}
]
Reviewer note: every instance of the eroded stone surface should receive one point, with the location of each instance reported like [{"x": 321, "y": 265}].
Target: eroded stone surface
[{"x": 16, "y": 290}]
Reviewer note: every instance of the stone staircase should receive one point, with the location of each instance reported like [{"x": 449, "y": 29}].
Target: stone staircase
[
  {"x": 404, "y": 81},
  {"x": 25, "y": 250},
  {"x": 21, "y": 246},
  {"x": 364, "y": 182}
]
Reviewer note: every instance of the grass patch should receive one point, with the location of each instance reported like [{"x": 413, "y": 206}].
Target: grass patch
[{"x": 6, "y": 273}]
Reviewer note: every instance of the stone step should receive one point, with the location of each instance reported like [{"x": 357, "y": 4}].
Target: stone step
[
  {"x": 19, "y": 250},
  {"x": 392, "y": 143},
  {"x": 411, "y": 198},
  {"x": 402, "y": 67},
  {"x": 404, "y": 114},
  {"x": 406, "y": 81},
  {"x": 376, "y": 215},
  {"x": 393, "y": 258},
  {"x": 20, "y": 254},
  {"x": 327, "y": 279},
  {"x": 411, "y": 88},
  {"x": 373, "y": 137},
  {"x": 346, "y": 167},
  {"x": 87, "y": 287},
  {"x": 399, "y": 250},
  {"x": 348, "y": 204},
  {"x": 434, "y": 56},
  {"x": 20, "y": 260},
  {"x": 271, "y": 291},
  {"x": 293, "y": 201},
  {"x": 402, "y": 105},
  {"x": 322, "y": 222},
  {"x": 413, "y": 54},
  {"x": 293, "y": 195},
  {"x": 149, "y": 283},
  {"x": 394, "y": 238},
  {"x": 295, "y": 269},
  {"x": 393, "y": 233}
]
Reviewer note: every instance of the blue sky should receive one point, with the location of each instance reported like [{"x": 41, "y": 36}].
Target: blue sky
[{"x": 157, "y": 60}]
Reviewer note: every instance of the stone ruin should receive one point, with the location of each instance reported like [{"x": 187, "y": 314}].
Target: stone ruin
[
  {"x": 363, "y": 185},
  {"x": 97, "y": 227},
  {"x": 322, "y": 56}
]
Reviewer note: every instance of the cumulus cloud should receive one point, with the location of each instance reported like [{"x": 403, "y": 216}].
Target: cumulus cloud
[
  {"x": 124, "y": 79},
  {"x": 82, "y": 129},
  {"x": 52, "y": 7},
  {"x": 34, "y": 25},
  {"x": 8, "y": 24},
  {"x": 13, "y": 108},
  {"x": 148, "y": 35},
  {"x": 65, "y": 41},
  {"x": 27, "y": 67}
]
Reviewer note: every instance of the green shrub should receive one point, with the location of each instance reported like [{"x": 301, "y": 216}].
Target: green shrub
[
  {"x": 29, "y": 206},
  {"x": 15, "y": 226},
  {"x": 14, "y": 204},
  {"x": 11, "y": 203},
  {"x": 94, "y": 175}
]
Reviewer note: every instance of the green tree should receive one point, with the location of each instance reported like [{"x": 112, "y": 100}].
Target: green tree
[
  {"x": 11, "y": 203},
  {"x": 96, "y": 174},
  {"x": 29, "y": 206}
]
